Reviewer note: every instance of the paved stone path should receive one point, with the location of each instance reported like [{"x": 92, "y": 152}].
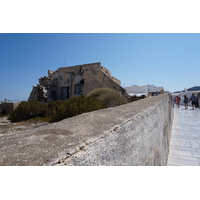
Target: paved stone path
[{"x": 185, "y": 138}]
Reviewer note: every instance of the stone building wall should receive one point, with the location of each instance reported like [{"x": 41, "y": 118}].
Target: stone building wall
[
  {"x": 7, "y": 108},
  {"x": 72, "y": 81}
]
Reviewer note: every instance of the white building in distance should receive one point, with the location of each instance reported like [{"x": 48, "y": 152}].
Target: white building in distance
[
  {"x": 147, "y": 90},
  {"x": 188, "y": 92}
]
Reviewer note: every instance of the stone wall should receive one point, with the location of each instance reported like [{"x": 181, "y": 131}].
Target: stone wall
[
  {"x": 6, "y": 108},
  {"x": 73, "y": 81},
  {"x": 135, "y": 134}
]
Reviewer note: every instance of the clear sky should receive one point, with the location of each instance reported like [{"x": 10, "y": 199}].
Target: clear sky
[{"x": 162, "y": 59}]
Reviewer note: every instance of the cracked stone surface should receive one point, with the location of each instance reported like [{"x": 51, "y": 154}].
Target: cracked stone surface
[{"x": 105, "y": 137}]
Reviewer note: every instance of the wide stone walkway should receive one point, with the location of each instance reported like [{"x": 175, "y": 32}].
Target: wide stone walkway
[{"x": 185, "y": 138}]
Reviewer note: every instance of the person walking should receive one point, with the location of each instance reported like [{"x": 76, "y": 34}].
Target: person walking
[
  {"x": 178, "y": 101},
  {"x": 194, "y": 101},
  {"x": 185, "y": 101}
]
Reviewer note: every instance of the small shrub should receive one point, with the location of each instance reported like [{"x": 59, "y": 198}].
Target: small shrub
[
  {"x": 75, "y": 106},
  {"x": 2, "y": 113},
  {"x": 109, "y": 97},
  {"x": 27, "y": 110},
  {"x": 55, "y": 110}
]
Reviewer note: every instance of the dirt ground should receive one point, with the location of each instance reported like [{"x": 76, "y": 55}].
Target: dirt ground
[{"x": 6, "y": 126}]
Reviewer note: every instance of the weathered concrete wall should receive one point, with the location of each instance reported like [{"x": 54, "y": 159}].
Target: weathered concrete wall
[
  {"x": 136, "y": 134},
  {"x": 6, "y": 108}
]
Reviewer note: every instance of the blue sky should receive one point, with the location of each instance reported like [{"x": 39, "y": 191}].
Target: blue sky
[{"x": 171, "y": 60}]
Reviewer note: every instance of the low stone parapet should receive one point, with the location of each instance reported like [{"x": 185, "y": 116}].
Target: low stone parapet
[{"x": 135, "y": 134}]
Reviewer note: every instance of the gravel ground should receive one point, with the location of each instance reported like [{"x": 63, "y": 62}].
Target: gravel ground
[{"x": 7, "y": 127}]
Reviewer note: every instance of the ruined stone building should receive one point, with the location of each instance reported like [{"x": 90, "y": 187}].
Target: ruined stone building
[{"x": 78, "y": 80}]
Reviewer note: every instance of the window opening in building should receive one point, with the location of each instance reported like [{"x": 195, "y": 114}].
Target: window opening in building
[
  {"x": 65, "y": 93},
  {"x": 77, "y": 89},
  {"x": 53, "y": 95}
]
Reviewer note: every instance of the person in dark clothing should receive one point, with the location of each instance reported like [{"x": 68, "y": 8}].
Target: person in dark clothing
[
  {"x": 185, "y": 101},
  {"x": 194, "y": 101}
]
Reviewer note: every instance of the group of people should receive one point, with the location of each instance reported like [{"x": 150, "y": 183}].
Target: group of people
[{"x": 193, "y": 99}]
